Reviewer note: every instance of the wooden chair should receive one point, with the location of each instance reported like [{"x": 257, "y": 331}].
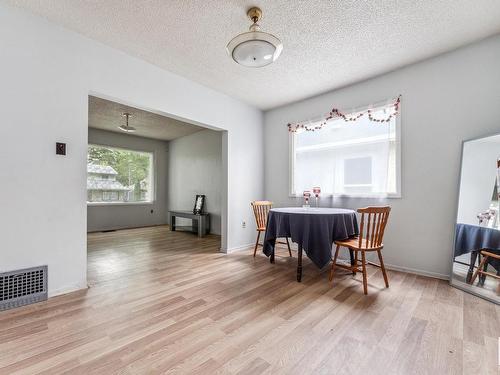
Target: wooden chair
[
  {"x": 261, "y": 211},
  {"x": 482, "y": 269},
  {"x": 371, "y": 234}
]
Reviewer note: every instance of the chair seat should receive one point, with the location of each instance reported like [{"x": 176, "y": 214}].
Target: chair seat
[{"x": 353, "y": 243}]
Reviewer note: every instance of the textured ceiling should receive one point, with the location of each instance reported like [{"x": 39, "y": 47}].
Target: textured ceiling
[
  {"x": 107, "y": 115},
  {"x": 327, "y": 44}
]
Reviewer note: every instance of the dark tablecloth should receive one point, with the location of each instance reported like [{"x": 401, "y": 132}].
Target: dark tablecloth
[
  {"x": 314, "y": 229},
  {"x": 469, "y": 238}
]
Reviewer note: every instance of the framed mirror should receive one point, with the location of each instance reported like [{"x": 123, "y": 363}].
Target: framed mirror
[{"x": 476, "y": 253}]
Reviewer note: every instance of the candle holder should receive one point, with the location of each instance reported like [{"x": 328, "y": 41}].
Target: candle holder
[
  {"x": 317, "y": 192},
  {"x": 306, "y": 195}
]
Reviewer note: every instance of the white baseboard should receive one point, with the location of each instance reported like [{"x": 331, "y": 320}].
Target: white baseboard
[
  {"x": 240, "y": 248},
  {"x": 66, "y": 289},
  {"x": 393, "y": 267},
  {"x": 414, "y": 271}
]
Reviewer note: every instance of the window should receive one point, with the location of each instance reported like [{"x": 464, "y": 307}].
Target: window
[
  {"x": 110, "y": 196},
  {"x": 358, "y": 175},
  {"x": 358, "y": 158},
  {"x": 116, "y": 175}
]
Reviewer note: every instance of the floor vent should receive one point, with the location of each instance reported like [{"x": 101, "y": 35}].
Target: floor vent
[{"x": 23, "y": 287}]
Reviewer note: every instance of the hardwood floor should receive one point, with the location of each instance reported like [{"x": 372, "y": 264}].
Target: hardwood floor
[{"x": 168, "y": 302}]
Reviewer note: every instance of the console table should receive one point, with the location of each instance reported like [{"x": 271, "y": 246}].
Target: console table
[{"x": 201, "y": 222}]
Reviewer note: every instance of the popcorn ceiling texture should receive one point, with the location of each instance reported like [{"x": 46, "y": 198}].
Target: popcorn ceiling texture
[
  {"x": 327, "y": 44},
  {"x": 107, "y": 115}
]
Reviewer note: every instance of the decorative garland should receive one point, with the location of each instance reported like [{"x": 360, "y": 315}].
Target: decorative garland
[{"x": 335, "y": 113}]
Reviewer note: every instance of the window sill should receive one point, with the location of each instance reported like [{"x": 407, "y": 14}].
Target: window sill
[
  {"x": 92, "y": 204},
  {"x": 364, "y": 196}
]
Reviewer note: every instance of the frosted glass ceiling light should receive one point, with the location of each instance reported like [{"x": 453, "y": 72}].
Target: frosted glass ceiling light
[
  {"x": 127, "y": 128},
  {"x": 254, "y": 48}
]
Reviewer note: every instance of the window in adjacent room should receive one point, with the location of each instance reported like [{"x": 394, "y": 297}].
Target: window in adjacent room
[
  {"x": 359, "y": 158},
  {"x": 117, "y": 175}
]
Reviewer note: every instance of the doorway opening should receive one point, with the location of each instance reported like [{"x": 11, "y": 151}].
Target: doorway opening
[{"x": 141, "y": 166}]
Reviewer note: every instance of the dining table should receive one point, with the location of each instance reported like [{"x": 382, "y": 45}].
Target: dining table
[
  {"x": 314, "y": 230},
  {"x": 474, "y": 238}
]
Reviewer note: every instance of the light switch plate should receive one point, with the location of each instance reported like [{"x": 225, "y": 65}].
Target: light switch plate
[{"x": 60, "y": 148}]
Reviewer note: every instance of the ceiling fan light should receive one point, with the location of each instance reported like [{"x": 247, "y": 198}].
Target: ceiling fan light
[{"x": 127, "y": 128}]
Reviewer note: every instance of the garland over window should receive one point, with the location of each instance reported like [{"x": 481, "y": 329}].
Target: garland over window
[{"x": 336, "y": 114}]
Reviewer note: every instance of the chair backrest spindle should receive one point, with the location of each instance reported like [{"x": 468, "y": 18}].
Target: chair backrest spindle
[
  {"x": 261, "y": 210},
  {"x": 372, "y": 228}
]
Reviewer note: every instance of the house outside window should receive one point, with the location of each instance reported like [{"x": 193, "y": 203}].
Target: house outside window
[
  {"x": 352, "y": 159},
  {"x": 116, "y": 175}
]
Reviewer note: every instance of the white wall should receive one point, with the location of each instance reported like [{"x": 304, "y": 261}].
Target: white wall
[
  {"x": 477, "y": 180},
  {"x": 195, "y": 167},
  {"x": 109, "y": 216},
  {"x": 445, "y": 100},
  {"x": 46, "y": 75}
]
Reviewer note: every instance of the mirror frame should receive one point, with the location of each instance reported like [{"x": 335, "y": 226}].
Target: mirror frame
[{"x": 457, "y": 284}]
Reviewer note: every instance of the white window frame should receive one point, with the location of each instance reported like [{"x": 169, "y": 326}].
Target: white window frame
[
  {"x": 153, "y": 178},
  {"x": 291, "y": 166}
]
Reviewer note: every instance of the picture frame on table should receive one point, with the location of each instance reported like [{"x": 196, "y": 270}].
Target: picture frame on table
[{"x": 199, "y": 204}]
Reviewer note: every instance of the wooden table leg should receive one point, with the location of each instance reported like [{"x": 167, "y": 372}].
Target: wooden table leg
[
  {"x": 351, "y": 254},
  {"x": 482, "y": 277},
  {"x": 299, "y": 264},
  {"x": 473, "y": 257}
]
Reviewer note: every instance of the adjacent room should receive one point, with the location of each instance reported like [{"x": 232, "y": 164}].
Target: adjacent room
[
  {"x": 145, "y": 170},
  {"x": 239, "y": 187}
]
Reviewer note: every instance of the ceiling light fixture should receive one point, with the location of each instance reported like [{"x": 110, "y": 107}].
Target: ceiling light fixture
[
  {"x": 254, "y": 48},
  {"x": 127, "y": 128}
]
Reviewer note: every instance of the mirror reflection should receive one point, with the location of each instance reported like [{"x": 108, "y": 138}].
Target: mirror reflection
[{"x": 476, "y": 257}]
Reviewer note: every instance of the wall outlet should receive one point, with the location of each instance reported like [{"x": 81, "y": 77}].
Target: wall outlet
[{"x": 243, "y": 224}]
